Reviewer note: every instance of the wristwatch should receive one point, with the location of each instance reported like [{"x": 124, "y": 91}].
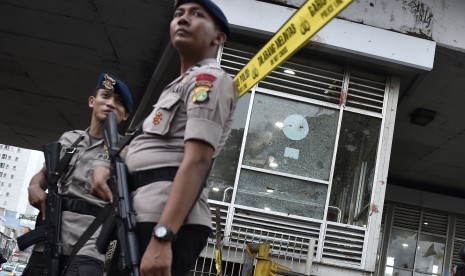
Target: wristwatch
[{"x": 162, "y": 232}]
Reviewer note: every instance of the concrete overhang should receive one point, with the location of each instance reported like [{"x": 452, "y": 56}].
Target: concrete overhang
[{"x": 384, "y": 47}]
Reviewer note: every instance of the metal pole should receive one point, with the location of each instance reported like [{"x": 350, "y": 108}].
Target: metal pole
[{"x": 308, "y": 263}]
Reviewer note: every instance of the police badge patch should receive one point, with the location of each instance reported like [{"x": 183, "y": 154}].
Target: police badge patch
[
  {"x": 203, "y": 84},
  {"x": 201, "y": 94}
]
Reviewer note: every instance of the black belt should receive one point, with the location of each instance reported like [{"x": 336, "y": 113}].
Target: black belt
[
  {"x": 142, "y": 178},
  {"x": 80, "y": 206}
]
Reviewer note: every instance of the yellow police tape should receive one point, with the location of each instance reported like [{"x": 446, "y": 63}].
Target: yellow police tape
[
  {"x": 218, "y": 260},
  {"x": 308, "y": 20}
]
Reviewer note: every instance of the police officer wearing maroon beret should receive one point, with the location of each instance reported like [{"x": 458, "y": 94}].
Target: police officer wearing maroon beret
[
  {"x": 79, "y": 206},
  {"x": 186, "y": 130}
]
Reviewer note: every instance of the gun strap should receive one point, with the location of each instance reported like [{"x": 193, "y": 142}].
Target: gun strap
[
  {"x": 64, "y": 161},
  {"x": 129, "y": 135},
  {"x": 104, "y": 213}
]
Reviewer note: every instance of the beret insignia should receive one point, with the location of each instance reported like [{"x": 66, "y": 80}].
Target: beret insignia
[{"x": 109, "y": 83}]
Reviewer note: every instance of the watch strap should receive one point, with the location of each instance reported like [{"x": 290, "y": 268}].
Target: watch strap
[{"x": 168, "y": 235}]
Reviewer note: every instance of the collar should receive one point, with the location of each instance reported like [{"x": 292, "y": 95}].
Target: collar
[
  {"x": 87, "y": 138},
  {"x": 199, "y": 64}
]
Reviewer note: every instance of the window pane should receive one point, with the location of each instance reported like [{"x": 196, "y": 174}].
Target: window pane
[
  {"x": 430, "y": 254},
  {"x": 221, "y": 179},
  {"x": 424, "y": 274},
  {"x": 355, "y": 169},
  {"x": 390, "y": 271},
  {"x": 401, "y": 251},
  {"x": 291, "y": 137},
  {"x": 281, "y": 194}
]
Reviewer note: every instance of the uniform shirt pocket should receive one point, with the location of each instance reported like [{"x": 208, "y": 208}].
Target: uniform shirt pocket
[
  {"x": 162, "y": 115},
  {"x": 103, "y": 160}
]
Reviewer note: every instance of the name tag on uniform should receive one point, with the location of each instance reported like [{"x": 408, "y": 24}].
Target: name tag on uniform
[{"x": 103, "y": 156}]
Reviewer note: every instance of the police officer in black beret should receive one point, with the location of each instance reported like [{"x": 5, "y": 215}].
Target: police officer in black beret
[{"x": 79, "y": 206}]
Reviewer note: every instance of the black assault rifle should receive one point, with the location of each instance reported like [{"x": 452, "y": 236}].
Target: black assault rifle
[
  {"x": 49, "y": 229},
  {"x": 123, "y": 221}
]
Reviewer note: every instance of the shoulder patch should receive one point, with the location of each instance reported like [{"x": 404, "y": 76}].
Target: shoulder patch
[
  {"x": 205, "y": 77},
  {"x": 204, "y": 82},
  {"x": 201, "y": 94}
]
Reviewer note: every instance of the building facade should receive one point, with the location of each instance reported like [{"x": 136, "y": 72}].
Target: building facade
[{"x": 17, "y": 166}]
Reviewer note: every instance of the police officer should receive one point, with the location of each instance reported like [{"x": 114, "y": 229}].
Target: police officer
[
  {"x": 79, "y": 206},
  {"x": 187, "y": 128}
]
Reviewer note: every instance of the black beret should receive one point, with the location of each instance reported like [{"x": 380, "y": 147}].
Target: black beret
[
  {"x": 214, "y": 10},
  {"x": 109, "y": 82}
]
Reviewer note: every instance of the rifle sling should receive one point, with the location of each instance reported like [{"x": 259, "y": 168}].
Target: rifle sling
[
  {"x": 80, "y": 206},
  {"x": 69, "y": 152},
  {"x": 129, "y": 135},
  {"x": 104, "y": 213},
  {"x": 64, "y": 161}
]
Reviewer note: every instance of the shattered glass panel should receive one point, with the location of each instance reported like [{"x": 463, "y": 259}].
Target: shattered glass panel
[
  {"x": 390, "y": 271},
  {"x": 401, "y": 251},
  {"x": 291, "y": 137},
  {"x": 281, "y": 194},
  {"x": 430, "y": 254},
  {"x": 355, "y": 168},
  {"x": 221, "y": 178}
]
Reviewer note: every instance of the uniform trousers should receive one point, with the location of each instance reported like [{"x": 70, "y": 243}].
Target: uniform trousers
[
  {"x": 190, "y": 240},
  {"x": 80, "y": 266}
]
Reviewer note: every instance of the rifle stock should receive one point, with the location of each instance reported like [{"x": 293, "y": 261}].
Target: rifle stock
[
  {"x": 124, "y": 218},
  {"x": 48, "y": 230}
]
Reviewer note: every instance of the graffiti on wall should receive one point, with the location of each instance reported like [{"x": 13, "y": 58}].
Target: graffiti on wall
[{"x": 423, "y": 16}]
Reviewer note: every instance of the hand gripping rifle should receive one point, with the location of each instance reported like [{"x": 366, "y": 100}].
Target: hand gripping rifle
[
  {"x": 49, "y": 230},
  {"x": 123, "y": 222}
]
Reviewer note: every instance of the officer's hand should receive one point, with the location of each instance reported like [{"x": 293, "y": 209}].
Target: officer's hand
[
  {"x": 157, "y": 259},
  {"x": 99, "y": 183},
  {"x": 37, "y": 197}
]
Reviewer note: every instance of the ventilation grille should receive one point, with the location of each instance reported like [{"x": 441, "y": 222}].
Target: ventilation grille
[
  {"x": 306, "y": 81},
  {"x": 315, "y": 80},
  {"x": 289, "y": 238},
  {"x": 460, "y": 228},
  {"x": 455, "y": 258},
  {"x": 232, "y": 60},
  {"x": 408, "y": 218},
  {"x": 366, "y": 91},
  {"x": 205, "y": 263},
  {"x": 383, "y": 215},
  {"x": 459, "y": 240},
  {"x": 343, "y": 243},
  {"x": 435, "y": 223}
]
